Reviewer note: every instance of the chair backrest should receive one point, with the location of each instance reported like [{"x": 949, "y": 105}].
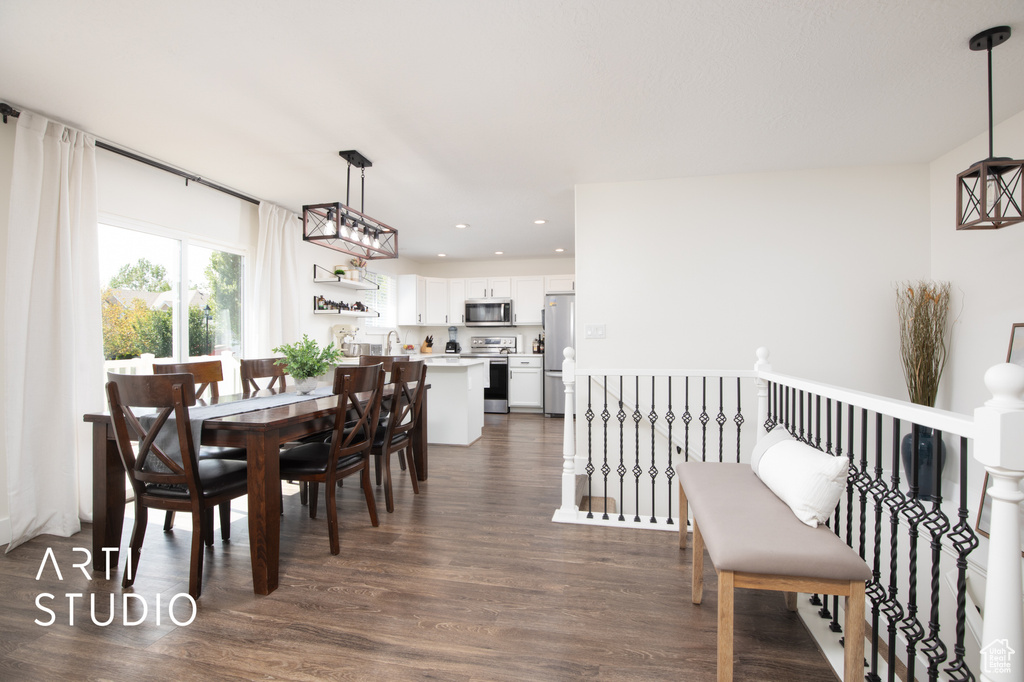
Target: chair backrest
[
  {"x": 261, "y": 368},
  {"x": 206, "y": 373},
  {"x": 386, "y": 360},
  {"x": 408, "y": 380},
  {"x": 166, "y": 450},
  {"x": 359, "y": 389}
]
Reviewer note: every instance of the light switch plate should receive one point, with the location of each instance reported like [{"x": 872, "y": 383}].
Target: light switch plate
[{"x": 594, "y": 331}]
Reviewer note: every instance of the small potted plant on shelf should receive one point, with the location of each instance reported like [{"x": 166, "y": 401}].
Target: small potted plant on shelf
[
  {"x": 306, "y": 361},
  {"x": 923, "y": 310}
]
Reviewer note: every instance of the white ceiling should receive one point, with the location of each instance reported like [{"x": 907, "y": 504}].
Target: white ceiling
[{"x": 488, "y": 112}]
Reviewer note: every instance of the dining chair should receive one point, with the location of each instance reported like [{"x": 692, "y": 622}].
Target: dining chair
[
  {"x": 408, "y": 380},
  {"x": 166, "y": 472},
  {"x": 261, "y": 368},
  {"x": 207, "y": 374},
  {"x": 359, "y": 390}
]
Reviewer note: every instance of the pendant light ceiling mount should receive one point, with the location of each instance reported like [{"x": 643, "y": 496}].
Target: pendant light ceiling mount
[
  {"x": 340, "y": 227},
  {"x": 990, "y": 194}
]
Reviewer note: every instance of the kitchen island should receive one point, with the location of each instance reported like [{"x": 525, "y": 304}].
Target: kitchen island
[{"x": 455, "y": 401}]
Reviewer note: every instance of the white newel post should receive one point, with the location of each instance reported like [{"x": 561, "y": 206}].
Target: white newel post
[
  {"x": 1000, "y": 447},
  {"x": 568, "y": 510},
  {"x": 762, "y": 365}
]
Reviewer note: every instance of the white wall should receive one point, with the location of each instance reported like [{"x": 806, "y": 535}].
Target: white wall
[
  {"x": 986, "y": 268},
  {"x": 699, "y": 272},
  {"x": 6, "y": 166}
]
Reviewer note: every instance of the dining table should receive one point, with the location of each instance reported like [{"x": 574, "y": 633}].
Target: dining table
[{"x": 262, "y": 432}]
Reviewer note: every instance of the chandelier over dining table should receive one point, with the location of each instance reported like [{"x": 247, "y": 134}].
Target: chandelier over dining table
[{"x": 340, "y": 227}]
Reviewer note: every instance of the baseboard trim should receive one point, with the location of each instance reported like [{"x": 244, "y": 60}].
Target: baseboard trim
[{"x": 5, "y": 530}]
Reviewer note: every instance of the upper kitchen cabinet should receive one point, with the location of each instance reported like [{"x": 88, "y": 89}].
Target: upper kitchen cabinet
[
  {"x": 422, "y": 300},
  {"x": 456, "y": 301},
  {"x": 489, "y": 287},
  {"x": 527, "y": 299},
  {"x": 559, "y": 283}
]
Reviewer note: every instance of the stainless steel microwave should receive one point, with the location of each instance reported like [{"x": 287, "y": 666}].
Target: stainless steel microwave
[{"x": 489, "y": 312}]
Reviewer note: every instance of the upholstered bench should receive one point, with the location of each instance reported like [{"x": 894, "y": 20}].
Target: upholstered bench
[{"x": 755, "y": 541}]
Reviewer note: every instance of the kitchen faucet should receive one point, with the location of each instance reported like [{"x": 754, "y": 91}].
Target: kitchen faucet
[{"x": 388, "y": 341}]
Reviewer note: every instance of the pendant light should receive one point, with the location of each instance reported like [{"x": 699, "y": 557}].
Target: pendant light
[
  {"x": 990, "y": 194},
  {"x": 342, "y": 228}
]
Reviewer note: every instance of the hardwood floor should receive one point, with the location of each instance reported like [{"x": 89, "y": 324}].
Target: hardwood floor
[{"x": 469, "y": 580}]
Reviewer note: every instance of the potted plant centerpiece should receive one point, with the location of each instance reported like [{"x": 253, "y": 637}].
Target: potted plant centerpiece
[
  {"x": 923, "y": 310},
  {"x": 306, "y": 361}
]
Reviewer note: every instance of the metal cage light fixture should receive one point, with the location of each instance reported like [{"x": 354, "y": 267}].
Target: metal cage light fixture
[
  {"x": 990, "y": 194},
  {"x": 340, "y": 227}
]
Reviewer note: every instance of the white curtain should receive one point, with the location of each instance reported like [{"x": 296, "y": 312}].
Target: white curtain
[
  {"x": 53, "y": 345},
  {"x": 275, "y": 308}
]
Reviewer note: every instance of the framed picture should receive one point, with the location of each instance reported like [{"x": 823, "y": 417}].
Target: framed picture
[{"x": 1015, "y": 355}]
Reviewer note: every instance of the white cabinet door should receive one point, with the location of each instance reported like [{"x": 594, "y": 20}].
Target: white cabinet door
[
  {"x": 501, "y": 287},
  {"x": 412, "y": 297},
  {"x": 435, "y": 307},
  {"x": 476, "y": 287},
  {"x": 527, "y": 299},
  {"x": 456, "y": 301},
  {"x": 525, "y": 382},
  {"x": 559, "y": 283}
]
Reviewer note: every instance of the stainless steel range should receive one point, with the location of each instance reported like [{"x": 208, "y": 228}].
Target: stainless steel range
[{"x": 496, "y": 349}]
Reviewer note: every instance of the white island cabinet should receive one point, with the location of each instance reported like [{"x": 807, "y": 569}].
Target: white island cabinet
[{"x": 455, "y": 401}]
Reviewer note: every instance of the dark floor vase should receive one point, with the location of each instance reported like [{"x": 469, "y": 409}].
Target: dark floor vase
[{"x": 925, "y": 460}]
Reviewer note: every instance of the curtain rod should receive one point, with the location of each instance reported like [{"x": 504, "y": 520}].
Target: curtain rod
[{"x": 6, "y": 110}]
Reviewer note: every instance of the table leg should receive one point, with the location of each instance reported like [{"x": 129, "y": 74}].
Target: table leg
[
  {"x": 419, "y": 442},
  {"x": 262, "y": 453},
  {"x": 108, "y": 497}
]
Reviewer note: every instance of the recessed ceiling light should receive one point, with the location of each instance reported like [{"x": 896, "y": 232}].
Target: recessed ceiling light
[
  {"x": 462, "y": 226},
  {"x": 539, "y": 222},
  {"x": 498, "y": 253},
  {"x": 441, "y": 255},
  {"x": 559, "y": 250}
]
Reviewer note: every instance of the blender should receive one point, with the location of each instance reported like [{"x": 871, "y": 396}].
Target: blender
[{"x": 453, "y": 344}]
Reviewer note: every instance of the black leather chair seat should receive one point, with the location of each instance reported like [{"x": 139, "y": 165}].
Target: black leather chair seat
[
  {"x": 217, "y": 475},
  {"x": 311, "y": 458},
  {"x": 217, "y": 452}
]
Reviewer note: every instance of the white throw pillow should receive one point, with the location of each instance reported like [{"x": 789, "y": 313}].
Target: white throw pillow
[
  {"x": 808, "y": 480},
  {"x": 776, "y": 435}
]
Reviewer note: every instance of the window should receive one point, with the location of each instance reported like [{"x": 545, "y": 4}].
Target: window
[
  {"x": 143, "y": 279},
  {"x": 383, "y": 300}
]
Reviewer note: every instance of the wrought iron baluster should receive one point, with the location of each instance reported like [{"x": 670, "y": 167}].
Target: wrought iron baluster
[
  {"x": 937, "y": 524},
  {"x": 738, "y": 419},
  {"x": 913, "y": 511},
  {"x": 669, "y": 471},
  {"x": 637, "y": 471},
  {"x": 894, "y": 500},
  {"x": 621, "y": 469},
  {"x": 874, "y": 588},
  {"x": 605, "y": 468},
  {"x": 802, "y": 438},
  {"x": 704, "y": 418},
  {"x": 687, "y": 418},
  {"x": 817, "y": 421},
  {"x": 964, "y": 542},
  {"x": 589, "y": 415},
  {"x": 652, "y": 417},
  {"x": 720, "y": 419}
]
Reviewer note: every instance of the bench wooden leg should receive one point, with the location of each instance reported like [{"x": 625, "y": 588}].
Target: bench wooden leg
[
  {"x": 725, "y": 623},
  {"x": 697, "y": 580},
  {"x": 853, "y": 667},
  {"x": 683, "y": 513},
  {"x": 791, "y": 599}
]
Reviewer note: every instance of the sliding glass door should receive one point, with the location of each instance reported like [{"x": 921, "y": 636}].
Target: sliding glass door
[{"x": 167, "y": 298}]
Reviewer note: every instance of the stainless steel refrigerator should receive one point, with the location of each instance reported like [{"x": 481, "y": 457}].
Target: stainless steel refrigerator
[{"x": 559, "y": 320}]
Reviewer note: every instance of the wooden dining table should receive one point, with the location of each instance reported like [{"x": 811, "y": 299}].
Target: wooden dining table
[{"x": 261, "y": 432}]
